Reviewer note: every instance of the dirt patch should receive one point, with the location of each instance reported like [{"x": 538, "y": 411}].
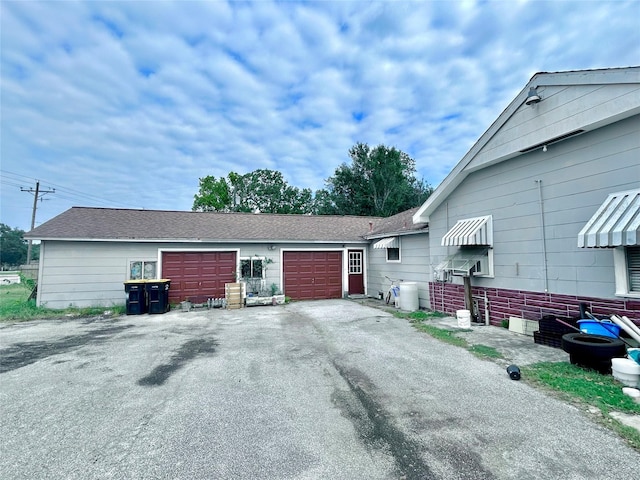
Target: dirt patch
[
  {"x": 25, "y": 353},
  {"x": 187, "y": 352}
]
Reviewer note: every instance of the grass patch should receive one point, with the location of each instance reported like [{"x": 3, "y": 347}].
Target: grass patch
[
  {"x": 586, "y": 388},
  {"x": 443, "y": 334},
  {"x": 15, "y": 307},
  {"x": 485, "y": 352},
  {"x": 418, "y": 316},
  {"x": 446, "y": 335}
]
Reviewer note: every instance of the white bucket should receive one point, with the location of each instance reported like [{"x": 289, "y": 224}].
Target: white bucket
[
  {"x": 464, "y": 318},
  {"x": 626, "y": 371},
  {"x": 409, "y": 296}
]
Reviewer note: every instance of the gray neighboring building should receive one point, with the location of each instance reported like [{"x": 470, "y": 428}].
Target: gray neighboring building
[
  {"x": 543, "y": 213},
  {"x": 87, "y": 254},
  {"x": 399, "y": 249}
]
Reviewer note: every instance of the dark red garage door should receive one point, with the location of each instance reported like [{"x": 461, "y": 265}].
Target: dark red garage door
[
  {"x": 312, "y": 275},
  {"x": 198, "y": 275}
]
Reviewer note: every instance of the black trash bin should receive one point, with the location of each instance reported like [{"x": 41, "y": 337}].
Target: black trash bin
[
  {"x": 136, "y": 297},
  {"x": 158, "y": 295}
]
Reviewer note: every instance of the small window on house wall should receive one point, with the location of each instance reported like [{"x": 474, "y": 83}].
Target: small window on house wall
[
  {"x": 476, "y": 261},
  {"x": 633, "y": 269},
  {"x": 393, "y": 254},
  {"x": 142, "y": 270},
  {"x": 252, "y": 273},
  {"x": 626, "y": 261},
  {"x": 251, "y": 267}
]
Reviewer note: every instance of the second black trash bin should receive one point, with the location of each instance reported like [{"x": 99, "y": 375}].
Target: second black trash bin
[
  {"x": 136, "y": 297},
  {"x": 158, "y": 295}
]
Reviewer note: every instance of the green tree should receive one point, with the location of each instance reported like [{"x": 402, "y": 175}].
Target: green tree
[
  {"x": 380, "y": 182},
  {"x": 13, "y": 247},
  {"x": 262, "y": 190},
  {"x": 214, "y": 195}
]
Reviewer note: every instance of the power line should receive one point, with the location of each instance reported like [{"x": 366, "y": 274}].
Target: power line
[{"x": 72, "y": 195}]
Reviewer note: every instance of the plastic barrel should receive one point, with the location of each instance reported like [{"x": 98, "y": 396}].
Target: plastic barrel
[
  {"x": 409, "y": 296},
  {"x": 464, "y": 318}
]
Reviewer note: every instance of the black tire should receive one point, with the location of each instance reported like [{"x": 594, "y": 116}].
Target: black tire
[
  {"x": 594, "y": 347},
  {"x": 601, "y": 365},
  {"x": 387, "y": 299}
]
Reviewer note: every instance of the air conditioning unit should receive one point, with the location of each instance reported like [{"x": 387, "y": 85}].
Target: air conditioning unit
[{"x": 441, "y": 275}]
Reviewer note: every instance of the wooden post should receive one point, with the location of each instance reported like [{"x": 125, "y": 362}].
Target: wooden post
[{"x": 468, "y": 297}]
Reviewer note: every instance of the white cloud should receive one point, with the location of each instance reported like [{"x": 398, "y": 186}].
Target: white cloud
[{"x": 133, "y": 104}]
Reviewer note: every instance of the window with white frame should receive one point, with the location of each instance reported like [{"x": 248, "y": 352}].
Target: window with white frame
[
  {"x": 474, "y": 261},
  {"x": 393, "y": 254},
  {"x": 252, "y": 273},
  {"x": 627, "y": 270},
  {"x": 142, "y": 269},
  {"x": 391, "y": 246}
]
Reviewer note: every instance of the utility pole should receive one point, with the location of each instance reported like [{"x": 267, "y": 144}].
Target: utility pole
[{"x": 38, "y": 196}]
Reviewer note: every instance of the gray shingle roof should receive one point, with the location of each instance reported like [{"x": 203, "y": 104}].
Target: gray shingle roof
[
  {"x": 84, "y": 223},
  {"x": 398, "y": 224}
]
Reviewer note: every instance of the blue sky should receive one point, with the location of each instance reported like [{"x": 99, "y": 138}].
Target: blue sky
[{"x": 127, "y": 104}]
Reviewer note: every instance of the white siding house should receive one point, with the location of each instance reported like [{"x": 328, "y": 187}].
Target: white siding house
[
  {"x": 88, "y": 253},
  {"x": 511, "y": 214},
  {"x": 399, "y": 250}
]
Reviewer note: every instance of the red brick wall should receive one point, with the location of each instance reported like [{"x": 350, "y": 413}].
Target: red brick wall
[{"x": 503, "y": 303}]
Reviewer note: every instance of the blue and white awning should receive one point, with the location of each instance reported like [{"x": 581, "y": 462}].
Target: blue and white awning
[{"x": 615, "y": 224}]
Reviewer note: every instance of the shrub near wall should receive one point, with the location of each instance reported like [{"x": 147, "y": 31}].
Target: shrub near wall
[{"x": 504, "y": 303}]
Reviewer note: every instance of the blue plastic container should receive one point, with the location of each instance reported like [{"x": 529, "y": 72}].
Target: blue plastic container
[{"x": 604, "y": 328}]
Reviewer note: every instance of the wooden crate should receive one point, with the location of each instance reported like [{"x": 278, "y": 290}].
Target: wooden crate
[{"x": 234, "y": 294}]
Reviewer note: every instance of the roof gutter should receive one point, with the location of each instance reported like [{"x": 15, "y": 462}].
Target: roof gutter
[
  {"x": 183, "y": 240},
  {"x": 396, "y": 234}
]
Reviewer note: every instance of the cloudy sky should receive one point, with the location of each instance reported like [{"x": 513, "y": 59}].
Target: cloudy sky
[{"x": 127, "y": 104}]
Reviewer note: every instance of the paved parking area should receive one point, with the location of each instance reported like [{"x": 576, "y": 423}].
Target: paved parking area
[{"x": 311, "y": 390}]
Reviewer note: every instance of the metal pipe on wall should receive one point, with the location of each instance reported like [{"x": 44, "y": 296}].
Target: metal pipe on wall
[
  {"x": 486, "y": 309},
  {"x": 544, "y": 237}
]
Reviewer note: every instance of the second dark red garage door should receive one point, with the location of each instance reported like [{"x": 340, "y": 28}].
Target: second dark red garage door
[
  {"x": 198, "y": 275},
  {"x": 312, "y": 275}
]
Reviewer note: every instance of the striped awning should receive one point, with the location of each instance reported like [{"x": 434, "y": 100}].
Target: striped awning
[
  {"x": 615, "y": 224},
  {"x": 472, "y": 231},
  {"x": 389, "y": 242}
]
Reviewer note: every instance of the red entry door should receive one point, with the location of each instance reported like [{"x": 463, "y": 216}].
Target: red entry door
[{"x": 356, "y": 272}]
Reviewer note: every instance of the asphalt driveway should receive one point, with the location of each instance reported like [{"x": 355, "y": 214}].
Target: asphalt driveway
[{"x": 310, "y": 390}]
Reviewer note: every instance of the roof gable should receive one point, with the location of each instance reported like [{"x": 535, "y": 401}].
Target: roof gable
[{"x": 572, "y": 103}]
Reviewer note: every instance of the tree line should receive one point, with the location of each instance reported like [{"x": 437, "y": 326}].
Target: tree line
[
  {"x": 379, "y": 181},
  {"x": 13, "y": 247}
]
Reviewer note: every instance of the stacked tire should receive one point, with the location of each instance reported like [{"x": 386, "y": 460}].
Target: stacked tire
[{"x": 592, "y": 351}]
